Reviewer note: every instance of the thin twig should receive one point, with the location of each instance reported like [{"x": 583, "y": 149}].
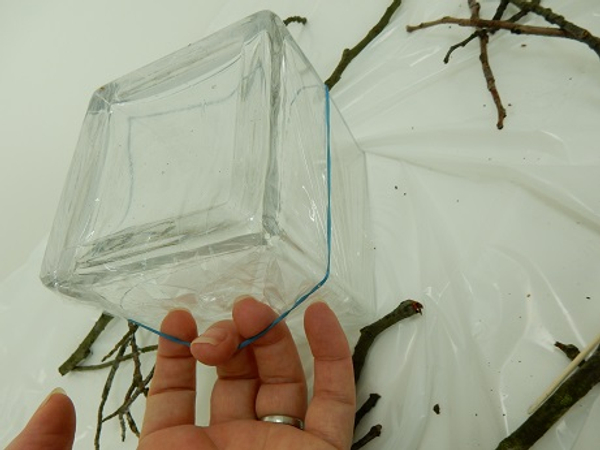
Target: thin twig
[
  {"x": 497, "y": 16},
  {"x": 374, "y": 432},
  {"x": 295, "y": 19},
  {"x": 500, "y": 9},
  {"x": 141, "y": 350},
  {"x": 350, "y": 53},
  {"x": 137, "y": 378},
  {"x": 369, "y": 333},
  {"x": 123, "y": 428},
  {"x": 490, "y": 80},
  {"x": 573, "y": 31},
  {"x": 490, "y": 25},
  {"x": 462, "y": 43},
  {"x": 84, "y": 348},
  {"x": 126, "y": 337},
  {"x": 570, "y": 350},
  {"x": 522, "y": 13},
  {"x": 104, "y": 396},
  {"x": 366, "y": 408},
  {"x": 131, "y": 399},
  {"x": 132, "y": 424}
]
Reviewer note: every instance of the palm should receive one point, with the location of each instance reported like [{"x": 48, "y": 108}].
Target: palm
[
  {"x": 251, "y": 435},
  {"x": 262, "y": 379}
]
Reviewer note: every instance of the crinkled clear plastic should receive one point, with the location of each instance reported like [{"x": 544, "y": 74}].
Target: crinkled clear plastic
[
  {"x": 497, "y": 233},
  {"x": 217, "y": 171}
]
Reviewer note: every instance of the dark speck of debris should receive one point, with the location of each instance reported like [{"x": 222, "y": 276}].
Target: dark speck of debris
[
  {"x": 476, "y": 415},
  {"x": 436, "y": 408},
  {"x": 528, "y": 295},
  {"x": 396, "y": 187},
  {"x": 404, "y": 194},
  {"x": 510, "y": 104},
  {"x": 523, "y": 45},
  {"x": 588, "y": 298}
]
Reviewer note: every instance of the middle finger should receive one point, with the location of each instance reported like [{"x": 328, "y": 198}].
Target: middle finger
[
  {"x": 234, "y": 393},
  {"x": 282, "y": 388}
]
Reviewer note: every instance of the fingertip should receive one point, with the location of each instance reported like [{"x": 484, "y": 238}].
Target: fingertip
[
  {"x": 324, "y": 332},
  {"x": 59, "y": 395},
  {"x": 217, "y": 344},
  {"x": 319, "y": 307},
  {"x": 62, "y": 402},
  {"x": 181, "y": 325},
  {"x": 244, "y": 303},
  {"x": 242, "y": 298},
  {"x": 51, "y": 427},
  {"x": 319, "y": 315}
]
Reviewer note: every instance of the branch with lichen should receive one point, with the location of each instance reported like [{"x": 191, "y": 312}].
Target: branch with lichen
[
  {"x": 84, "y": 349},
  {"x": 569, "y": 393}
]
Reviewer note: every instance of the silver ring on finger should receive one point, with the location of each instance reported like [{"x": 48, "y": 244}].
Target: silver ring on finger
[{"x": 285, "y": 420}]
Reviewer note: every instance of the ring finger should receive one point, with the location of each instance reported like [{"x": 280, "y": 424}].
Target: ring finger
[{"x": 282, "y": 388}]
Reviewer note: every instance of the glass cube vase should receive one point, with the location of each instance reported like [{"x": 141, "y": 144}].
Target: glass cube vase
[{"x": 210, "y": 174}]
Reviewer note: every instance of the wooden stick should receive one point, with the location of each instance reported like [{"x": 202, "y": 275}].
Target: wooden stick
[{"x": 570, "y": 368}]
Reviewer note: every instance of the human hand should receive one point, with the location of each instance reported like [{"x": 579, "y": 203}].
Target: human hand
[{"x": 265, "y": 378}]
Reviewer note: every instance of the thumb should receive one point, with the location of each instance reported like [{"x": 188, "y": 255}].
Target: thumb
[{"x": 52, "y": 426}]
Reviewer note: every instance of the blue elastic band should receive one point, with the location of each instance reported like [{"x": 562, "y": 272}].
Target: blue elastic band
[
  {"x": 161, "y": 334},
  {"x": 317, "y": 286},
  {"x": 326, "y": 276}
]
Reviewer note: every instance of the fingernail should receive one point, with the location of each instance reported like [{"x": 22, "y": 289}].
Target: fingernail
[
  {"x": 240, "y": 298},
  {"x": 54, "y": 391},
  {"x": 212, "y": 336}
]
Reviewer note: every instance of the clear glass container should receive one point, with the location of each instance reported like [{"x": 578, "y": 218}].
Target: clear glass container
[{"x": 204, "y": 176}]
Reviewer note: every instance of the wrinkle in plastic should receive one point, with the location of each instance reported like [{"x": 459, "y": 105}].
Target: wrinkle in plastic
[{"x": 496, "y": 233}]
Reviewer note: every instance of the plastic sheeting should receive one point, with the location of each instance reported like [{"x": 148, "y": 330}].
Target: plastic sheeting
[{"x": 497, "y": 233}]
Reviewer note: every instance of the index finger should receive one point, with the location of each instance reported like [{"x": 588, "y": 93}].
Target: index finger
[
  {"x": 331, "y": 411},
  {"x": 172, "y": 396}
]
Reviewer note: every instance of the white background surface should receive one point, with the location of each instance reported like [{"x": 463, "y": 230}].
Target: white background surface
[{"x": 496, "y": 232}]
